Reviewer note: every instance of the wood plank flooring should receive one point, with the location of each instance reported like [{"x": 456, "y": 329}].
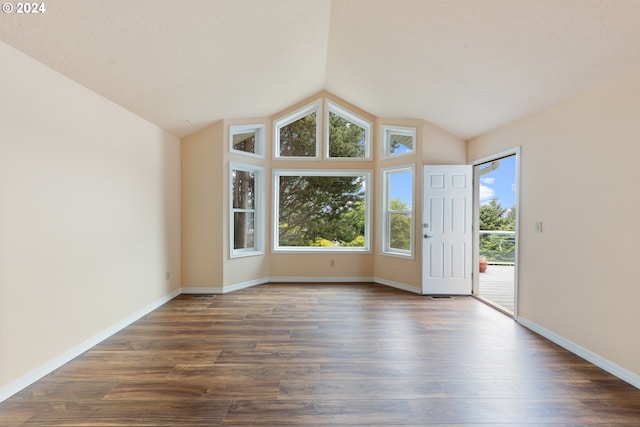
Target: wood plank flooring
[{"x": 325, "y": 355}]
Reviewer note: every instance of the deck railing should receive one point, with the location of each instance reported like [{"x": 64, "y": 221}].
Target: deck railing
[{"x": 498, "y": 247}]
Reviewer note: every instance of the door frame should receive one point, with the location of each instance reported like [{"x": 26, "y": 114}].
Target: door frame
[{"x": 476, "y": 226}]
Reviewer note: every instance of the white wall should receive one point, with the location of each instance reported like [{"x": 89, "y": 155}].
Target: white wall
[
  {"x": 89, "y": 214},
  {"x": 580, "y": 277}
]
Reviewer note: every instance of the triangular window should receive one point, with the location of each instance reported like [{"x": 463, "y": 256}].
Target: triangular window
[
  {"x": 296, "y": 135},
  {"x": 348, "y": 135}
]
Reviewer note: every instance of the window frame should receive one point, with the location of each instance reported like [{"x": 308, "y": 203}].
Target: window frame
[
  {"x": 258, "y": 211},
  {"x": 368, "y": 186},
  {"x": 331, "y": 107},
  {"x": 385, "y": 247},
  {"x": 387, "y": 130},
  {"x": 259, "y": 130},
  {"x": 315, "y": 106}
]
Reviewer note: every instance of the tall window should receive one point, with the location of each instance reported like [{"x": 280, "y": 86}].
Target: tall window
[
  {"x": 397, "y": 211},
  {"x": 321, "y": 210},
  {"x": 348, "y": 136},
  {"x": 246, "y": 210},
  {"x": 296, "y": 135}
]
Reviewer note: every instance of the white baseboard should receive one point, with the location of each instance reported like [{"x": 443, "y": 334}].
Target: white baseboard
[
  {"x": 245, "y": 285},
  {"x": 201, "y": 290},
  {"x": 397, "y": 285},
  {"x": 33, "y": 376},
  {"x": 225, "y": 289},
  {"x": 288, "y": 279},
  {"x": 323, "y": 279},
  {"x": 588, "y": 355}
]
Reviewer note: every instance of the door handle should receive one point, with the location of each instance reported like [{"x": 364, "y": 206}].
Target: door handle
[{"x": 426, "y": 236}]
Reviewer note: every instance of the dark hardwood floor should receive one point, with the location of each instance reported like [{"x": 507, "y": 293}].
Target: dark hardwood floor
[{"x": 326, "y": 354}]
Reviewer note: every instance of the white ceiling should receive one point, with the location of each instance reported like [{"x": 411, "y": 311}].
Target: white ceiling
[{"x": 468, "y": 66}]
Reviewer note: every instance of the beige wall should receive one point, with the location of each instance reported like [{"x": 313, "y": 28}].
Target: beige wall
[
  {"x": 579, "y": 278},
  {"x": 205, "y": 219},
  {"x": 346, "y": 265},
  {"x": 251, "y": 269},
  {"x": 434, "y": 147},
  {"x": 203, "y": 192},
  {"x": 89, "y": 214}
]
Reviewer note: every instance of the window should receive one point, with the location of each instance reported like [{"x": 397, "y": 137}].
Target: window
[
  {"x": 348, "y": 136},
  {"x": 247, "y": 139},
  {"x": 397, "y": 211},
  {"x": 321, "y": 210},
  {"x": 246, "y": 210},
  {"x": 398, "y": 141},
  {"x": 296, "y": 135}
]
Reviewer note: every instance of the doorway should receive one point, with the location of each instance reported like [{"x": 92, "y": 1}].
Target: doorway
[{"x": 496, "y": 234}]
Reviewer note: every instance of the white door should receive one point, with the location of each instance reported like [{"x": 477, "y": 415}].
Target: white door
[{"x": 446, "y": 230}]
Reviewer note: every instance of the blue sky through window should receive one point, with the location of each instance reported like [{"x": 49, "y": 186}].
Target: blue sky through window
[
  {"x": 400, "y": 144},
  {"x": 500, "y": 184},
  {"x": 400, "y": 186}
]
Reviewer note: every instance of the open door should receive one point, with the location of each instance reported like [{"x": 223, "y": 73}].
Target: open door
[
  {"x": 447, "y": 237},
  {"x": 496, "y": 236}
]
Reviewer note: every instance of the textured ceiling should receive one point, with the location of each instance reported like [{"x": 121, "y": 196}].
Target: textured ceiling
[{"x": 468, "y": 66}]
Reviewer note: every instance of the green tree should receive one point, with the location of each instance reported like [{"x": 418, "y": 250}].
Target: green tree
[
  {"x": 320, "y": 207},
  {"x": 346, "y": 139},
  {"x": 492, "y": 215},
  {"x": 400, "y": 226},
  {"x": 298, "y": 139},
  {"x": 318, "y": 210},
  {"x": 510, "y": 220},
  {"x": 497, "y": 247}
]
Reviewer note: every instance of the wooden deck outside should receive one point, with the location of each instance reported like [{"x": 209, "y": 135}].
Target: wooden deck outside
[{"x": 497, "y": 285}]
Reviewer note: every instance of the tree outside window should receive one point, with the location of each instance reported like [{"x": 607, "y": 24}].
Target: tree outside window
[
  {"x": 321, "y": 210},
  {"x": 246, "y": 210},
  {"x": 498, "y": 242},
  {"x": 296, "y": 135},
  {"x": 398, "y": 141},
  {"x": 247, "y": 140},
  {"x": 397, "y": 211},
  {"x": 348, "y": 134}
]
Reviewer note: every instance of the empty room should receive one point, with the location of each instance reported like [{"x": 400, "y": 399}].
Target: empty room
[{"x": 327, "y": 212}]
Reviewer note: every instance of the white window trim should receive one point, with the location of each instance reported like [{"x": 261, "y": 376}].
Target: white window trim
[
  {"x": 259, "y": 130},
  {"x": 316, "y": 107},
  {"x": 385, "y": 130},
  {"x": 385, "y": 248},
  {"x": 259, "y": 211},
  {"x": 277, "y": 173},
  {"x": 331, "y": 107}
]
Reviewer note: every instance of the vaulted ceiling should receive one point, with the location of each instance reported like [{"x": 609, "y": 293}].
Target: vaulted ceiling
[{"x": 468, "y": 66}]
